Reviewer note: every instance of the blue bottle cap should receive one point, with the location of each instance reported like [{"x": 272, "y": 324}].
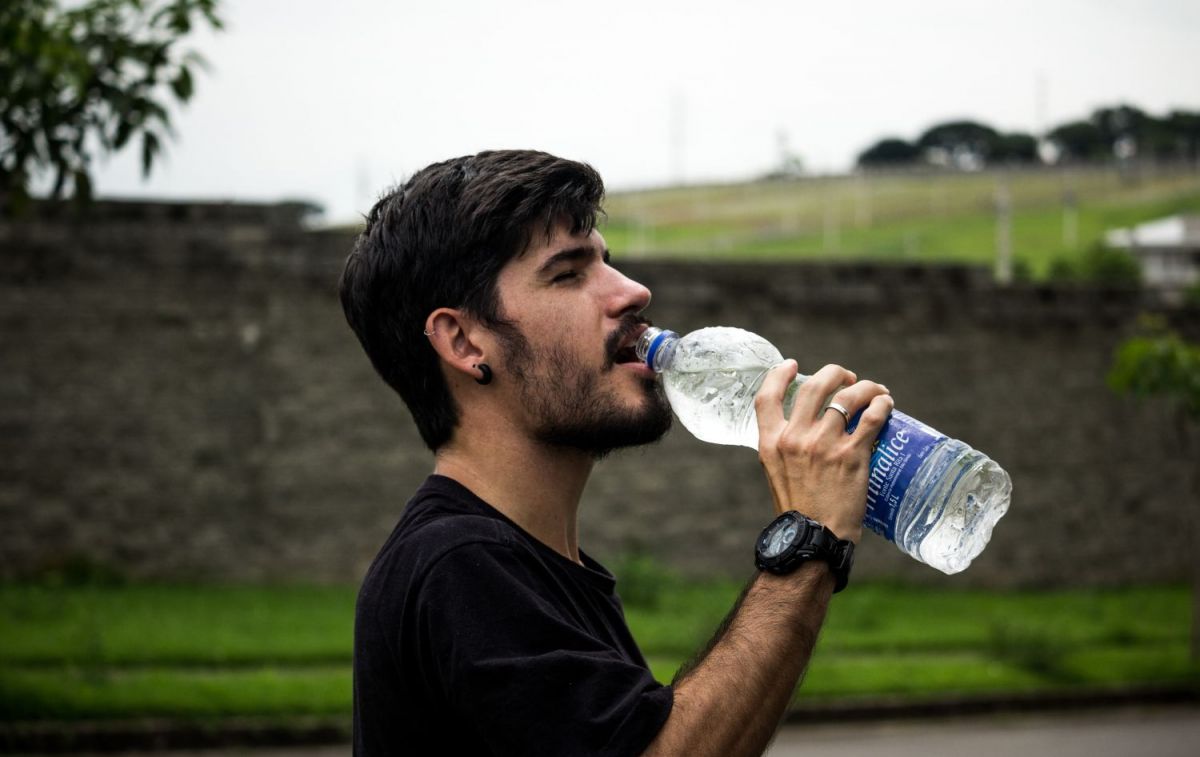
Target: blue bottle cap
[{"x": 655, "y": 344}]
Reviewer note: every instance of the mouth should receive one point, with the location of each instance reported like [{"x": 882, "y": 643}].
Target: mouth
[
  {"x": 622, "y": 343},
  {"x": 625, "y": 355}
]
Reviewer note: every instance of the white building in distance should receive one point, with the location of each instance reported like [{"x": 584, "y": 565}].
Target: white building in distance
[{"x": 1168, "y": 250}]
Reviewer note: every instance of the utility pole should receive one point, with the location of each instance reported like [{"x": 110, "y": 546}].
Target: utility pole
[
  {"x": 1004, "y": 262},
  {"x": 1070, "y": 218}
]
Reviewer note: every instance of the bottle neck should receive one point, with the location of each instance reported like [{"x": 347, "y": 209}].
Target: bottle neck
[{"x": 656, "y": 347}]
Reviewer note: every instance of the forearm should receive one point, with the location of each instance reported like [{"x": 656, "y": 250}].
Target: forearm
[{"x": 732, "y": 701}]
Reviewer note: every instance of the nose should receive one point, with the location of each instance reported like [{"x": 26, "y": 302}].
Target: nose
[{"x": 629, "y": 295}]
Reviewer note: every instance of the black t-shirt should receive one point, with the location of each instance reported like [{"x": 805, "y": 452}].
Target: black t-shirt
[{"x": 472, "y": 637}]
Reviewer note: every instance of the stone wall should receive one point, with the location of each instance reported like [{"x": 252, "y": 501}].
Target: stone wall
[{"x": 181, "y": 399}]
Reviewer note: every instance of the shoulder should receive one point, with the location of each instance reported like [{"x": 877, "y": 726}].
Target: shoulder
[
  {"x": 427, "y": 560},
  {"x": 444, "y": 527},
  {"x": 451, "y": 542},
  {"x": 443, "y": 516},
  {"x": 419, "y": 547}
]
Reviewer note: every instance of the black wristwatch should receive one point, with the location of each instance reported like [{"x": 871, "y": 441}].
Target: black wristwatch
[{"x": 792, "y": 539}]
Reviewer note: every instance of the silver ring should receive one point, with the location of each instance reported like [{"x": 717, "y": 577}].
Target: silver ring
[{"x": 841, "y": 409}]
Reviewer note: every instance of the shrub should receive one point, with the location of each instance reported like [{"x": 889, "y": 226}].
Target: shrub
[{"x": 1106, "y": 265}]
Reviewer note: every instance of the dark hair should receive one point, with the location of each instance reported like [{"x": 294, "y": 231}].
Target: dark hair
[{"x": 440, "y": 240}]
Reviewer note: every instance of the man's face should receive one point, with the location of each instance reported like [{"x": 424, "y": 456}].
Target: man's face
[{"x": 569, "y": 349}]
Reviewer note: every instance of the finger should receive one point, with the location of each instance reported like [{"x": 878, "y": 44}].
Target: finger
[
  {"x": 851, "y": 399},
  {"x": 810, "y": 398},
  {"x": 872, "y": 420},
  {"x": 835, "y": 417},
  {"x": 768, "y": 403}
]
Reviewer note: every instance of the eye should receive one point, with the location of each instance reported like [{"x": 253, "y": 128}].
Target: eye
[{"x": 564, "y": 276}]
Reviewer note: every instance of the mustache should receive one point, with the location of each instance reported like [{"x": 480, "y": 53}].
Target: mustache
[{"x": 629, "y": 323}]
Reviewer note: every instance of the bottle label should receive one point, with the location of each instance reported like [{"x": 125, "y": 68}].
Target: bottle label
[{"x": 901, "y": 448}]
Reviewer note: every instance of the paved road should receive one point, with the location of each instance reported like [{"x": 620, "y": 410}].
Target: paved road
[
  {"x": 1173, "y": 732},
  {"x": 1159, "y": 732}
]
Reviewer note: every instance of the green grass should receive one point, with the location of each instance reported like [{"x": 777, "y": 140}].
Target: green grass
[
  {"x": 849, "y": 675},
  {"x": 121, "y": 651},
  {"x": 177, "y": 626},
  {"x": 886, "y": 640},
  {"x": 909, "y": 218},
  {"x": 76, "y": 693}
]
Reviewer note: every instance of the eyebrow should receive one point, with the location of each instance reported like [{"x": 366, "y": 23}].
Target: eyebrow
[{"x": 571, "y": 255}]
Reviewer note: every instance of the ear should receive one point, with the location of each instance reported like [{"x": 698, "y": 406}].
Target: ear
[{"x": 458, "y": 339}]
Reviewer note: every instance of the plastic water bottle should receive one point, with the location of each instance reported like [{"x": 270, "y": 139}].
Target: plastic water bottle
[{"x": 935, "y": 498}]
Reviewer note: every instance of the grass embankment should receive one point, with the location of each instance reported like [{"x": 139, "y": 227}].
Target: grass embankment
[
  {"x": 884, "y": 640},
  {"x": 100, "y": 652},
  {"x": 123, "y": 651},
  {"x": 1056, "y": 216}
]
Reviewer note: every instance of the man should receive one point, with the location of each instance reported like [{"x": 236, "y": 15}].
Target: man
[{"x": 483, "y": 294}]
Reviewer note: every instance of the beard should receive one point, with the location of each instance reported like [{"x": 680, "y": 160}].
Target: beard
[{"x": 569, "y": 406}]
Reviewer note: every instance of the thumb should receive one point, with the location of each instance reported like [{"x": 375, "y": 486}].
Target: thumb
[{"x": 768, "y": 403}]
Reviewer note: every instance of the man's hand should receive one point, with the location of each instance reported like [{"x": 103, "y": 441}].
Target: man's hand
[{"x": 812, "y": 464}]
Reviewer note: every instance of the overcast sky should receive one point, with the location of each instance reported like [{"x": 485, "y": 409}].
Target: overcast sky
[{"x": 332, "y": 101}]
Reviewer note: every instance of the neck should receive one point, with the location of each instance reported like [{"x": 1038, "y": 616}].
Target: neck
[{"x": 536, "y": 486}]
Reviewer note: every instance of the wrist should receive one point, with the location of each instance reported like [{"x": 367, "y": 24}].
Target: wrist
[
  {"x": 845, "y": 529},
  {"x": 793, "y": 539}
]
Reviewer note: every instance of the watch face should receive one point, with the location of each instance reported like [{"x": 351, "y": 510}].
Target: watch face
[{"x": 780, "y": 538}]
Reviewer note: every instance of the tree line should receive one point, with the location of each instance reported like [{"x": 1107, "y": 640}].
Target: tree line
[{"x": 1120, "y": 132}]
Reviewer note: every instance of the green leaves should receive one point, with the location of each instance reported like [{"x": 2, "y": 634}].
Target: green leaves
[
  {"x": 181, "y": 85},
  {"x": 1100, "y": 264},
  {"x": 150, "y": 149},
  {"x": 98, "y": 73},
  {"x": 1159, "y": 363}
]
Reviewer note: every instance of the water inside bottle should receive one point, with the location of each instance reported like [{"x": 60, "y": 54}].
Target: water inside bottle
[
  {"x": 712, "y": 382},
  {"x": 966, "y": 493}
]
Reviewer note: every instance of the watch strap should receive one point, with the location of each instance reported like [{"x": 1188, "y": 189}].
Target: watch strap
[{"x": 822, "y": 544}]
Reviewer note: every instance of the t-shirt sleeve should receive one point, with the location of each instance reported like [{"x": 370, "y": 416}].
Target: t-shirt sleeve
[{"x": 510, "y": 660}]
